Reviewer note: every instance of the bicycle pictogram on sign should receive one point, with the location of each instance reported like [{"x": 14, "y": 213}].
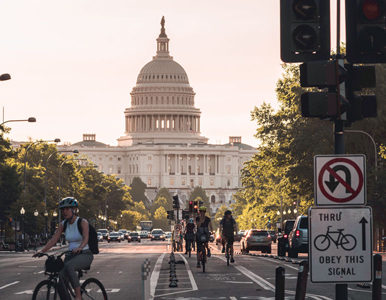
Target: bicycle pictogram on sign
[{"x": 323, "y": 241}]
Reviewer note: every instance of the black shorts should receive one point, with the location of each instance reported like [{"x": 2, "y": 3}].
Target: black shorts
[{"x": 230, "y": 238}]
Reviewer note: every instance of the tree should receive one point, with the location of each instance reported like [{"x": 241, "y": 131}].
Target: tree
[
  {"x": 164, "y": 193},
  {"x": 138, "y": 191},
  {"x": 199, "y": 192},
  {"x": 160, "y": 220},
  {"x": 159, "y": 202},
  {"x": 130, "y": 219}
]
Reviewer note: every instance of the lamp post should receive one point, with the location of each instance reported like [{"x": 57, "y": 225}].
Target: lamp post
[
  {"x": 22, "y": 212},
  {"x": 45, "y": 184},
  {"x": 36, "y": 213},
  {"x": 30, "y": 119},
  {"x": 25, "y": 163},
  {"x": 5, "y": 76},
  {"x": 45, "y": 226}
]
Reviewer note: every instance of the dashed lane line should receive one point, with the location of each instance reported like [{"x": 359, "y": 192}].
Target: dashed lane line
[
  {"x": 191, "y": 277},
  {"x": 155, "y": 275},
  {"x": 9, "y": 284}
]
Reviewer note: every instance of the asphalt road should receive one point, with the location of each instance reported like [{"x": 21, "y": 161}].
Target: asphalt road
[{"x": 118, "y": 267}]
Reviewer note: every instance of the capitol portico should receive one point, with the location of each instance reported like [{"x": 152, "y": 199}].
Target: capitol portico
[{"x": 162, "y": 142}]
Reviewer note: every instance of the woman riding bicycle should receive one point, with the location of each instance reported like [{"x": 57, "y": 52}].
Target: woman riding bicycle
[
  {"x": 189, "y": 235},
  {"x": 203, "y": 226},
  {"x": 228, "y": 227},
  {"x": 81, "y": 257}
]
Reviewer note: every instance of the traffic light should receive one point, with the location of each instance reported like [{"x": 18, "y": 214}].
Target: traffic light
[
  {"x": 304, "y": 30},
  {"x": 176, "y": 202},
  {"x": 170, "y": 215},
  {"x": 361, "y": 106},
  {"x": 365, "y": 31},
  {"x": 190, "y": 207},
  {"x": 195, "y": 206},
  {"x": 326, "y": 104},
  {"x": 185, "y": 214}
]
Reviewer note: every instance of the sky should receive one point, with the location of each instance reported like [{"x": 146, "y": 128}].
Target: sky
[{"x": 74, "y": 63}]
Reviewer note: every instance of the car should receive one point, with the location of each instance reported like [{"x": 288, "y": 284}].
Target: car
[
  {"x": 114, "y": 237},
  {"x": 282, "y": 241},
  {"x": 124, "y": 233},
  {"x": 217, "y": 237},
  {"x": 104, "y": 233},
  {"x": 144, "y": 234},
  {"x": 134, "y": 237},
  {"x": 157, "y": 234},
  {"x": 273, "y": 235},
  {"x": 256, "y": 239},
  {"x": 99, "y": 236},
  {"x": 298, "y": 237},
  {"x": 168, "y": 234},
  {"x": 239, "y": 236}
]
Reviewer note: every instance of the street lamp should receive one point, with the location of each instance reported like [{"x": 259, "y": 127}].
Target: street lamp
[
  {"x": 36, "y": 213},
  {"x": 25, "y": 163},
  {"x": 45, "y": 227},
  {"x": 45, "y": 184},
  {"x": 22, "y": 212},
  {"x": 30, "y": 119}
]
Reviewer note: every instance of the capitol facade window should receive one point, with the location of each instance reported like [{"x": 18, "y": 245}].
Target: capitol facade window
[
  {"x": 149, "y": 181},
  {"x": 171, "y": 181},
  {"x": 183, "y": 181}
]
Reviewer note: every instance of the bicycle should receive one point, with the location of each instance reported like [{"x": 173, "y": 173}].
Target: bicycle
[
  {"x": 347, "y": 241},
  {"x": 189, "y": 242},
  {"x": 227, "y": 250},
  {"x": 203, "y": 241},
  {"x": 48, "y": 289}
]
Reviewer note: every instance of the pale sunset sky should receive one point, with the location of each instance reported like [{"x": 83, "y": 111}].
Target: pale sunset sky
[{"x": 74, "y": 63}]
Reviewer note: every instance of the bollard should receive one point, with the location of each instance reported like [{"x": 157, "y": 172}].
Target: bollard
[
  {"x": 279, "y": 283},
  {"x": 145, "y": 272},
  {"x": 377, "y": 283},
  {"x": 301, "y": 284}
]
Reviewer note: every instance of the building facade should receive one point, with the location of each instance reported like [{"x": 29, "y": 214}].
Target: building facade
[{"x": 162, "y": 142}]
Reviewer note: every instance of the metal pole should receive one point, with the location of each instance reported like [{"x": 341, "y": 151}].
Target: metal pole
[
  {"x": 36, "y": 232},
  {"x": 281, "y": 213},
  {"x": 377, "y": 283},
  {"x": 279, "y": 283},
  {"x": 301, "y": 284}
]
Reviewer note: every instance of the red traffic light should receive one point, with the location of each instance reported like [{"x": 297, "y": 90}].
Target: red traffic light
[{"x": 372, "y": 9}]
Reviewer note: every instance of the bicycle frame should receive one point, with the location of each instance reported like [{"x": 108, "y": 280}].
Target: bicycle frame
[{"x": 339, "y": 238}]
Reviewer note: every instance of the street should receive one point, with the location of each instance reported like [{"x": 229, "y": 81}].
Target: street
[{"x": 118, "y": 267}]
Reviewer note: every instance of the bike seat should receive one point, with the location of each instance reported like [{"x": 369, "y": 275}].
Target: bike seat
[{"x": 340, "y": 229}]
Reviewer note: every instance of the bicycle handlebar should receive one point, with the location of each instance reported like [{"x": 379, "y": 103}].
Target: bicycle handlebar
[{"x": 41, "y": 254}]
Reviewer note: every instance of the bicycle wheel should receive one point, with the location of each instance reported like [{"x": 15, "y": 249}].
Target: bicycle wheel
[
  {"x": 45, "y": 290},
  {"x": 322, "y": 242},
  {"x": 203, "y": 257},
  {"x": 92, "y": 288},
  {"x": 227, "y": 254},
  {"x": 348, "y": 242}
]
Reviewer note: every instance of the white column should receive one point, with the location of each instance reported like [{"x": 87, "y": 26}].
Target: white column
[
  {"x": 159, "y": 122},
  {"x": 199, "y": 121},
  {"x": 195, "y": 165},
  {"x": 215, "y": 165},
  {"x": 175, "y": 163},
  {"x": 165, "y": 123},
  {"x": 183, "y": 123}
]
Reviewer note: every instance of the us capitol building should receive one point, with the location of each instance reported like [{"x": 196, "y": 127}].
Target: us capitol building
[{"x": 163, "y": 144}]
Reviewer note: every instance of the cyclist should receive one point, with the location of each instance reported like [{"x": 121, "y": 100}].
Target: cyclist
[
  {"x": 189, "y": 234},
  {"x": 203, "y": 225},
  {"x": 228, "y": 227},
  {"x": 81, "y": 257}
]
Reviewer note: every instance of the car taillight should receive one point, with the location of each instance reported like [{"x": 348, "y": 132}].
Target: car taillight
[
  {"x": 286, "y": 236},
  {"x": 297, "y": 234}
]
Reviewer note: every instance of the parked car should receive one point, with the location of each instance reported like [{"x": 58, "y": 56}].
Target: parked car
[
  {"x": 157, "y": 234},
  {"x": 144, "y": 234},
  {"x": 273, "y": 235},
  {"x": 134, "y": 237},
  {"x": 114, "y": 237},
  {"x": 104, "y": 233},
  {"x": 282, "y": 241},
  {"x": 256, "y": 239},
  {"x": 239, "y": 235},
  {"x": 99, "y": 237},
  {"x": 298, "y": 237},
  {"x": 124, "y": 233}
]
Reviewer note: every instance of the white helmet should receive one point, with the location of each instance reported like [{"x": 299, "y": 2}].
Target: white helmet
[{"x": 191, "y": 221}]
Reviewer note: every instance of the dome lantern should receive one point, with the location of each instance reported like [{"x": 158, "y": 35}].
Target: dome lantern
[{"x": 163, "y": 42}]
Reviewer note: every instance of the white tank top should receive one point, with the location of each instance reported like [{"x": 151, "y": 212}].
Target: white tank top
[{"x": 73, "y": 236}]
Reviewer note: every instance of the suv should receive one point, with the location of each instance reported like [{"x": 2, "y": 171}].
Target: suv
[
  {"x": 256, "y": 239},
  {"x": 282, "y": 242},
  {"x": 298, "y": 237},
  {"x": 104, "y": 233},
  {"x": 157, "y": 234}
]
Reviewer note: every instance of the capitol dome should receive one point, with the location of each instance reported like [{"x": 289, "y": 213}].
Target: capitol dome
[{"x": 162, "y": 103}]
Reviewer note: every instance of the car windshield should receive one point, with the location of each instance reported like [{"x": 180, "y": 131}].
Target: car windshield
[
  {"x": 304, "y": 223},
  {"x": 102, "y": 230},
  {"x": 134, "y": 234},
  {"x": 157, "y": 232},
  {"x": 259, "y": 232},
  {"x": 122, "y": 231},
  {"x": 114, "y": 234}
]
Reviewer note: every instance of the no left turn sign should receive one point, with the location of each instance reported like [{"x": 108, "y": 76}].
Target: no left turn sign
[{"x": 340, "y": 180}]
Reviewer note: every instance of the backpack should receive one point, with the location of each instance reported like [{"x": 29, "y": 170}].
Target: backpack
[{"x": 92, "y": 235}]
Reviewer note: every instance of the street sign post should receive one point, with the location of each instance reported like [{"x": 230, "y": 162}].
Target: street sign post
[
  {"x": 178, "y": 227},
  {"x": 340, "y": 244},
  {"x": 340, "y": 180}
]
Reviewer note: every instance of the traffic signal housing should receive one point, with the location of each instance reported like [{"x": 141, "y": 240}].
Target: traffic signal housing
[
  {"x": 195, "y": 207},
  {"x": 324, "y": 104},
  {"x": 361, "y": 106},
  {"x": 170, "y": 215},
  {"x": 304, "y": 30},
  {"x": 176, "y": 202},
  {"x": 190, "y": 207},
  {"x": 185, "y": 214},
  {"x": 365, "y": 31}
]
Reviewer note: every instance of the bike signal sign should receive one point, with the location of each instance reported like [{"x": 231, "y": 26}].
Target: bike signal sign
[
  {"x": 340, "y": 244},
  {"x": 340, "y": 180}
]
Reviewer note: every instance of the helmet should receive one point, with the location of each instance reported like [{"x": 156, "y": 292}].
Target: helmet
[
  {"x": 68, "y": 202},
  {"x": 202, "y": 208},
  {"x": 191, "y": 220},
  {"x": 228, "y": 212}
]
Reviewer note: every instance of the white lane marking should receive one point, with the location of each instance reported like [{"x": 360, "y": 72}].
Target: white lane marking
[
  {"x": 279, "y": 262},
  {"x": 192, "y": 281},
  {"x": 27, "y": 292},
  {"x": 40, "y": 272},
  {"x": 7, "y": 285},
  {"x": 155, "y": 275},
  {"x": 247, "y": 282},
  {"x": 383, "y": 286},
  {"x": 256, "y": 278},
  {"x": 232, "y": 298}
]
